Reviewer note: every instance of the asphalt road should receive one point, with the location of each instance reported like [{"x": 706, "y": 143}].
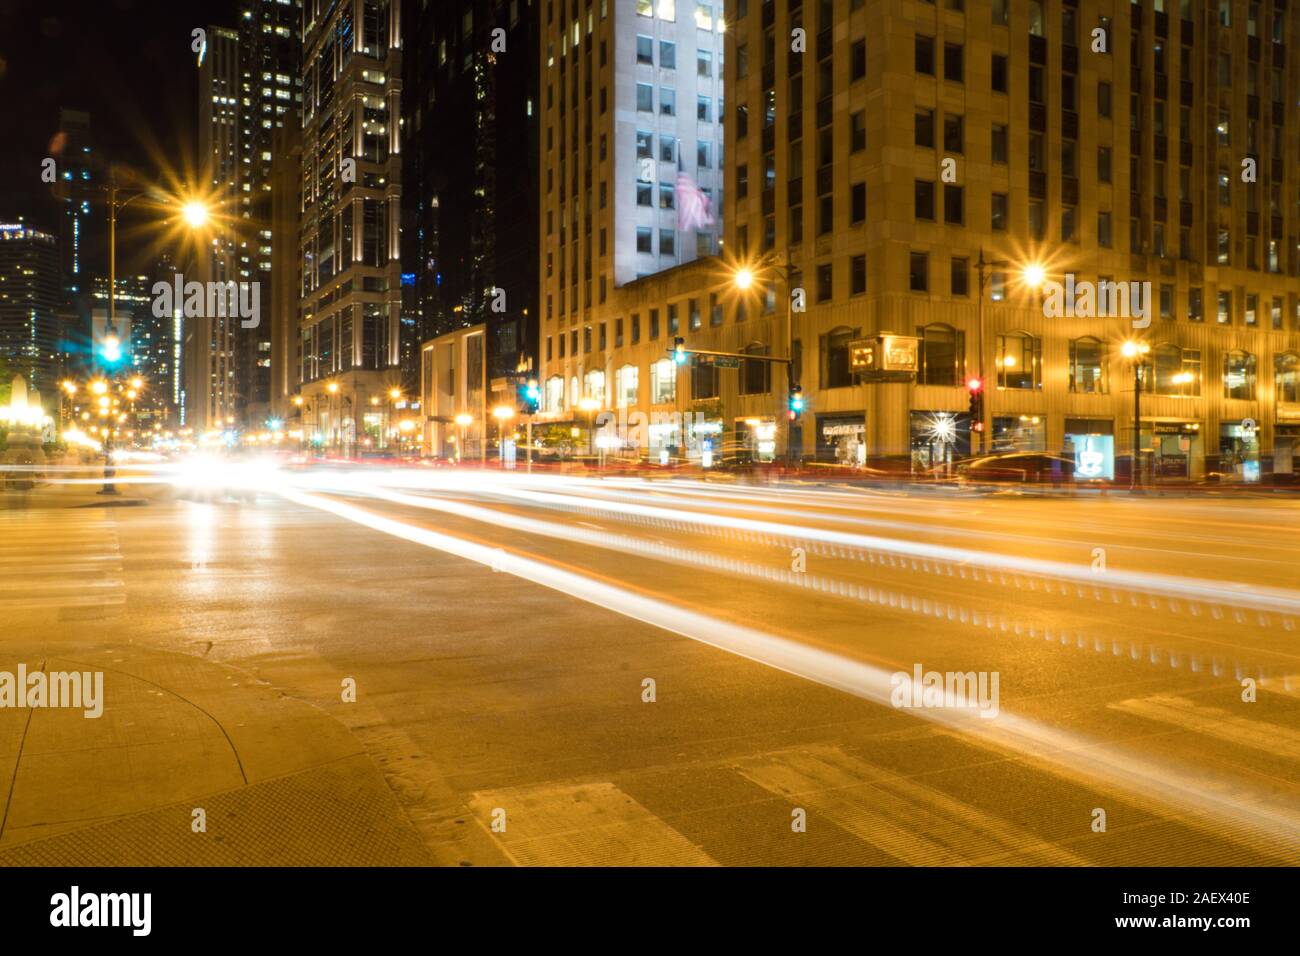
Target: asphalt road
[{"x": 682, "y": 672}]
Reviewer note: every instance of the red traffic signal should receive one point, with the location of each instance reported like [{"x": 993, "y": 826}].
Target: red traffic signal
[{"x": 975, "y": 385}]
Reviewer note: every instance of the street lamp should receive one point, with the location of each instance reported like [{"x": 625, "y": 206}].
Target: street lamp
[
  {"x": 333, "y": 389},
  {"x": 503, "y": 414},
  {"x": 1134, "y": 352},
  {"x": 464, "y": 420},
  {"x": 196, "y": 214},
  {"x": 743, "y": 280},
  {"x": 590, "y": 406}
]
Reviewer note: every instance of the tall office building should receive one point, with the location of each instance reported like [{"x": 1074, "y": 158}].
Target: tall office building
[
  {"x": 29, "y": 302},
  {"x": 286, "y": 266},
  {"x": 469, "y": 177},
  {"x": 249, "y": 84},
  {"x": 270, "y": 61},
  {"x": 349, "y": 242},
  {"x": 1065, "y": 145},
  {"x": 210, "y": 340}
]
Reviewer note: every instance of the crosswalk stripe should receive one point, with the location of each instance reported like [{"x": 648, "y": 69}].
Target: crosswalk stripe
[
  {"x": 594, "y": 824},
  {"x": 1215, "y": 722},
  {"x": 917, "y": 825}
]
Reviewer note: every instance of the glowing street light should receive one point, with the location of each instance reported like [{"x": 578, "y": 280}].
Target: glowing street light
[
  {"x": 1034, "y": 275},
  {"x": 744, "y": 278},
  {"x": 195, "y": 213}
]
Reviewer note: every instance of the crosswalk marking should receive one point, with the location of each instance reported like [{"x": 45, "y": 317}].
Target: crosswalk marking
[
  {"x": 594, "y": 824},
  {"x": 1215, "y": 722},
  {"x": 59, "y": 559},
  {"x": 917, "y": 825}
]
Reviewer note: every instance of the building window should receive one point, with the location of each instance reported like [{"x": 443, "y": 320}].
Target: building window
[
  {"x": 954, "y": 205},
  {"x": 858, "y": 60},
  {"x": 836, "y": 372},
  {"x": 1000, "y": 72},
  {"x": 954, "y": 133},
  {"x": 954, "y": 62},
  {"x": 1001, "y": 202},
  {"x": 1175, "y": 371},
  {"x": 663, "y": 382},
  {"x": 825, "y": 283},
  {"x": 755, "y": 378},
  {"x": 1000, "y": 143},
  {"x": 924, "y": 128},
  {"x": 645, "y": 49},
  {"x": 1239, "y": 375},
  {"x": 923, "y": 199},
  {"x": 644, "y": 239},
  {"x": 924, "y": 55},
  {"x": 625, "y": 386},
  {"x": 857, "y": 275},
  {"x": 857, "y": 131},
  {"x": 858, "y": 203},
  {"x": 1020, "y": 361},
  {"x": 667, "y": 55},
  {"x": 960, "y": 275},
  {"x": 645, "y": 98},
  {"x": 1225, "y": 308},
  {"x": 1286, "y": 377},
  {"x": 919, "y": 272},
  {"x": 1103, "y": 230},
  {"x": 1089, "y": 366},
  {"x": 943, "y": 355}
]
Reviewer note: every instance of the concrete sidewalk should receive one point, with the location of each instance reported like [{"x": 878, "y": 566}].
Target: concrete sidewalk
[{"x": 280, "y": 782}]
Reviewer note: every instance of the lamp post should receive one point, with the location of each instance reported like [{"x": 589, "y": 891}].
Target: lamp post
[
  {"x": 590, "y": 406},
  {"x": 743, "y": 280},
  {"x": 464, "y": 420},
  {"x": 1134, "y": 352},
  {"x": 503, "y": 414}
]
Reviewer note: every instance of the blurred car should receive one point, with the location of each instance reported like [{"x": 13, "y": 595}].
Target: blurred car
[{"x": 1019, "y": 466}]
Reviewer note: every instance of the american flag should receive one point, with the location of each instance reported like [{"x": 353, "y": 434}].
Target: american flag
[{"x": 693, "y": 207}]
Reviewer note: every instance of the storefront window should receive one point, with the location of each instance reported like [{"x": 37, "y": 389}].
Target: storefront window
[
  {"x": 1020, "y": 433},
  {"x": 841, "y": 439},
  {"x": 1239, "y": 450},
  {"x": 1019, "y": 361},
  {"x": 1088, "y": 366},
  {"x": 554, "y": 394},
  {"x": 1239, "y": 375},
  {"x": 939, "y": 439},
  {"x": 1091, "y": 445},
  {"x": 594, "y": 385}
]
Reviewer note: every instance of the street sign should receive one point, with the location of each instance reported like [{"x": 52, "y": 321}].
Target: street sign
[{"x": 717, "y": 361}]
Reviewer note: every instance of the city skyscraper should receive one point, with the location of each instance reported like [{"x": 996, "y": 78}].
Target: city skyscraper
[
  {"x": 210, "y": 341},
  {"x": 469, "y": 240},
  {"x": 349, "y": 241},
  {"x": 270, "y": 58},
  {"x": 30, "y": 295}
]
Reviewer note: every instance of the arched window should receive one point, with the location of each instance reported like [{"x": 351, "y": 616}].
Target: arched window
[
  {"x": 943, "y": 355},
  {"x": 1020, "y": 360},
  {"x": 1089, "y": 366},
  {"x": 625, "y": 386},
  {"x": 1286, "y": 376},
  {"x": 1238, "y": 375},
  {"x": 1173, "y": 370},
  {"x": 553, "y": 397},
  {"x": 594, "y": 385},
  {"x": 835, "y": 369},
  {"x": 755, "y": 377},
  {"x": 663, "y": 382}
]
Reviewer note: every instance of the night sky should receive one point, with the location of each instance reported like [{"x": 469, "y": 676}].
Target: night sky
[{"x": 126, "y": 62}]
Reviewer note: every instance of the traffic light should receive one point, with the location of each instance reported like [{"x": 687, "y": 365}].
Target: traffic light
[
  {"x": 110, "y": 351},
  {"x": 976, "y": 410},
  {"x": 530, "y": 397},
  {"x": 679, "y": 350},
  {"x": 796, "y": 402}
]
